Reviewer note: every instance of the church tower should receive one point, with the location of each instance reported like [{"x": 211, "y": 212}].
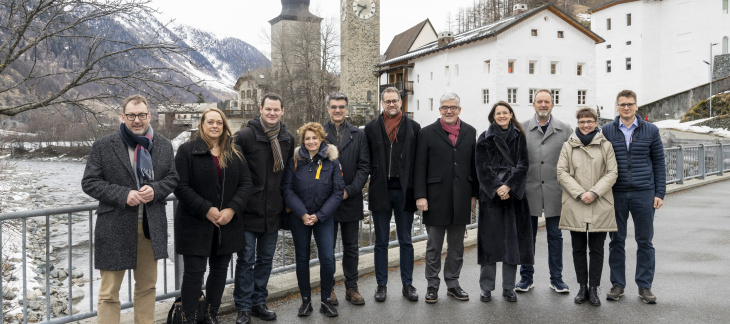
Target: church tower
[
  {"x": 295, "y": 35},
  {"x": 360, "y": 52}
]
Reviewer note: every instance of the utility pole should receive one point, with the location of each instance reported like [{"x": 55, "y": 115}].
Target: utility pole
[{"x": 712, "y": 62}]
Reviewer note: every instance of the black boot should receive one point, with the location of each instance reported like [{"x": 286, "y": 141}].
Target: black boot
[
  {"x": 211, "y": 312},
  {"x": 593, "y": 296},
  {"x": 190, "y": 317},
  {"x": 582, "y": 294}
]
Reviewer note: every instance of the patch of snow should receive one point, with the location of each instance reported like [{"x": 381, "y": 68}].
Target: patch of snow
[{"x": 690, "y": 127}]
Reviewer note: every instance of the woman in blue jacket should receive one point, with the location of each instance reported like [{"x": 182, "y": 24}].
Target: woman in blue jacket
[{"x": 313, "y": 188}]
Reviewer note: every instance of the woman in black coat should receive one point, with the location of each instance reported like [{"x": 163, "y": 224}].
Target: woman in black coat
[
  {"x": 214, "y": 186},
  {"x": 505, "y": 231}
]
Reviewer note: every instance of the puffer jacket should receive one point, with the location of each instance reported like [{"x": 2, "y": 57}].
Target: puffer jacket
[
  {"x": 642, "y": 163},
  {"x": 590, "y": 168},
  {"x": 307, "y": 193}
]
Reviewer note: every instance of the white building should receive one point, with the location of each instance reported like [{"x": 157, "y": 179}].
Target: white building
[
  {"x": 656, "y": 48},
  {"x": 508, "y": 60}
]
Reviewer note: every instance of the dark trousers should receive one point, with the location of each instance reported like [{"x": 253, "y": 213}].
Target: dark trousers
[
  {"x": 403, "y": 227},
  {"x": 488, "y": 274},
  {"x": 454, "y": 254},
  {"x": 588, "y": 274},
  {"x": 324, "y": 237},
  {"x": 641, "y": 206},
  {"x": 350, "y": 252},
  {"x": 555, "y": 248},
  {"x": 192, "y": 284}
]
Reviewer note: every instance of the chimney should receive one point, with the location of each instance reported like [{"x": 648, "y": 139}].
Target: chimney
[
  {"x": 518, "y": 9},
  {"x": 445, "y": 38}
]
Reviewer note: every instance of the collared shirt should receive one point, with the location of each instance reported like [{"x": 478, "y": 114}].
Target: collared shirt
[
  {"x": 628, "y": 131},
  {"x": 544, "y": 127}
]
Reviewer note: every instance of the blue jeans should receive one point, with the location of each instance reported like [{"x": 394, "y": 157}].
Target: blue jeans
[
  {"x": 555, "y": 249},
  {"x": 403, "y": 227},
  {"x": 253, "y": 269},
  {"x": 325, "y": 239},
  {"x": 641, "y": 206}
]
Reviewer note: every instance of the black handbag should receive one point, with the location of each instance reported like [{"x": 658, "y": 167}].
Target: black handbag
[
  {"x": 502, "y": 176},
  {"x": 175, "y": 315}
]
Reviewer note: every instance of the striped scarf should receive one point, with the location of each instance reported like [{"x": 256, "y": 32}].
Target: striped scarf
[{"x": 272, "y": 134}]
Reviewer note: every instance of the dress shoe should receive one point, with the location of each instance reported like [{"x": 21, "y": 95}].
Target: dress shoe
[
  {"x": 380, "y": 293},
  {"x": 306, "y": 307},
  {"x": 333, "y": 298},
  {"x": 582, "y": 294},
  {"x": 410, "y": 292},
  {"x": 243, "y": 317},
  {"x": 615, "y": 293},
  {"x": 432, "y": 295},
  {"x": 510, "y": 295},
  {"x": 647, "y": 296},
  {"x": 353, "y": 296},
  {"x": 457, "y": 293},
  {"x": 327, "y": 309},
  {"x": 486, "y": 296},
  {"x": 593, "y": 296},
  {"x": 263, "y": 312}
]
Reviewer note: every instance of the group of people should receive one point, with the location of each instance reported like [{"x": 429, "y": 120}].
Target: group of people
[{"x": 237, "y": 190}]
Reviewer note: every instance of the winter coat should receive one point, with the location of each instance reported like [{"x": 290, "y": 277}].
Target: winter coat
[
  {"x": 505, "y": 229},
  {"x": 445, "y": 174},
  {"x": 378, "y": 187},
  {"x": 265, "y": 207},
  {"x": 543, "y": 189},
  {"x": 198, "y": 190},
  {"x": 590, "y": 168},
  {"x": 355, "y": 161},
  {"x": 304, "y": 193},
  {"x": 642, "y": 164},
  {"x": 108, "y": 178}
]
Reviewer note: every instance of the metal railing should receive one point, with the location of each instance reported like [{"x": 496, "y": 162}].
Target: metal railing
[{"x": 696, "y": 162}]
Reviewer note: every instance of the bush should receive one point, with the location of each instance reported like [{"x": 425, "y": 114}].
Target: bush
[{"x": 720, "y": 106}]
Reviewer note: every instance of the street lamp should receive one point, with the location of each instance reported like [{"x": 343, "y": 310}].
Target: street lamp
[{"x": 712, "y": 61}]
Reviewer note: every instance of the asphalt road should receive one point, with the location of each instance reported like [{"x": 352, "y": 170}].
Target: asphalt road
[{"x": 692, "y": 281}]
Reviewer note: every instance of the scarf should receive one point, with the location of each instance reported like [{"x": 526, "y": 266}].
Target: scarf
[
  {"x": 391, "y": 125},
  {"x": 587, "y": 138},
  {"x": 142, "y": 146},
  {"x": 272, "y": 134},
  {"x": 501, "y": 132},
  {"x": 453, "y": 130}
]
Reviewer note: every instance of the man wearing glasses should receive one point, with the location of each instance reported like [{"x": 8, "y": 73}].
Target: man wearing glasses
[
  {"x": 446, "y": 188},
  {"x": 639, "y": 190},
  {"x": 545, "y": 137},
  {"x": 392, "y": 139},
  {"x": 130, "y": 173},
  {"x": 355, "y": 161}
]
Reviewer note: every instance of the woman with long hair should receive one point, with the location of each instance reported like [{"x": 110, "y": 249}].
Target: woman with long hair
[
  {"x": 504, "y": 232},
  {"x": 587, "y": 170},
  {"x": 213, "y": 189},
  {"x": 313, "y": 187}
]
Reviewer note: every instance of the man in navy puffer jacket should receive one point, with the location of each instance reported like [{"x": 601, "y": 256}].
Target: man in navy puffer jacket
[{"x": 639, "y": 190}]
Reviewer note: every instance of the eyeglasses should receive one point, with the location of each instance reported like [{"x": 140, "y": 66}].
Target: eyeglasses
[
  {"x": 447, "y": 108},
  {"x": 390, "y": 102},
  {"x": 627, "y": 105},
  {"x": 141, "y": 116},
  {"x": 586, "y": 122},
  {"x": 333, "y": 107}
]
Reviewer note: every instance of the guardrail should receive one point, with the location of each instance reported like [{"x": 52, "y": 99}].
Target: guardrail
[{"x": 695, "y": 162}]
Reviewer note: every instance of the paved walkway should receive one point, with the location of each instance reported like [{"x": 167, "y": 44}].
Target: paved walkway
[{"x": 692, "y": 237}]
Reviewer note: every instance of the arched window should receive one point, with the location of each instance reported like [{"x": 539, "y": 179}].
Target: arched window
[
  {"x": 724, "y": 6},
  {"x": 370, "y": 96},
  {"x": 248, "y": 93},
  {"x": 724, "y": 44}
]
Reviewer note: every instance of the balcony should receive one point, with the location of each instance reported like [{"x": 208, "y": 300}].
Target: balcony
[{"x": 405, "y": 87}]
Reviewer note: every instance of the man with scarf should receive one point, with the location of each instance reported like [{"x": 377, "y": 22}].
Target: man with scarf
[
  {"x": 392, "y": 139},
  {"x": 446, "y": 191},
  {"x": 130, "y": 172},
  {"x": 266, "y": 145}
]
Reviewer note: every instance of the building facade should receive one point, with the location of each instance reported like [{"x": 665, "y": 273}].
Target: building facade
[{"x": 359, "y": 54}]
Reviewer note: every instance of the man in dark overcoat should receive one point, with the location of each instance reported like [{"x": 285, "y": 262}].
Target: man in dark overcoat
[
  {"x": 355, "y": 161},
  {"x": 130, "y": 173},
  {"x": 445, "y": 188},
  {"x": 392, "y": 139}
]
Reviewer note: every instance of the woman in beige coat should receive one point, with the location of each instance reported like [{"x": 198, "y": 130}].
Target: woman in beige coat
[{"x": 587, "y": 170}]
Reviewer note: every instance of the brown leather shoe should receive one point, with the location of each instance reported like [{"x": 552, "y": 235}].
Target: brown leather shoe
[
  {"x": 333, "y": 298},
  {"x": 354, "y": 297},
  {"x": 647, "y": 296}
]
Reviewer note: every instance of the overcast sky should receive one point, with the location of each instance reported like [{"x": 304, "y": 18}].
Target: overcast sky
[{"x": 248, "y": 19}]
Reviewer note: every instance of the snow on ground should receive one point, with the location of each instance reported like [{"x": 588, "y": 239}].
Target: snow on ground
[
  {"x": 689, "y": 127},
  {"x": 180, "y": 139}
]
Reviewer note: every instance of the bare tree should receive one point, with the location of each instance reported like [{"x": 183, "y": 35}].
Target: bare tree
[{"x": 102, "y": 64}]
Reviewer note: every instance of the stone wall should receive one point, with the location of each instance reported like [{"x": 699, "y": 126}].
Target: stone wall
[
  {"x": 721, "y": 66},
  {"x": 675, "y": 106}
]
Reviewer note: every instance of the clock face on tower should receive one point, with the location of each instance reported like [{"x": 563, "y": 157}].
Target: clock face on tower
[{"x": 364, "y": 9}]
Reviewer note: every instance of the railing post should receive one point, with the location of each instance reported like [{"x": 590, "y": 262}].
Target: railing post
[
  {"x": 701, "y": 162},
  {"x": 680, "y": 164},
  {"x": 720, "y": 160}
]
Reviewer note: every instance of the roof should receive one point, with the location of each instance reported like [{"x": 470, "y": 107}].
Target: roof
[
  {"x": 402, "y": 42},
  {"x": 492, "y": 30},
  {"x": 608, "y": 5}
]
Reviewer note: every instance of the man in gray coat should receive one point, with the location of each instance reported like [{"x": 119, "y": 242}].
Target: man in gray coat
[
  {"x": 130, "y": 172},
  {"x": 545, "y": 137}
]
